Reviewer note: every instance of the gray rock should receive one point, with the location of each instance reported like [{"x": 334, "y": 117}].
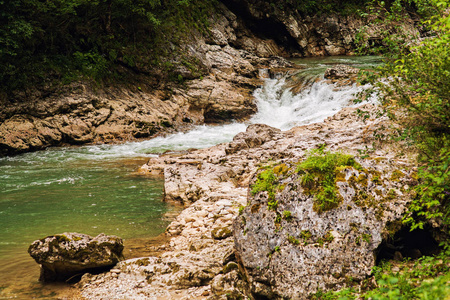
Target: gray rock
[
  {"x": 292, "y": 251},
  {"x": 66, "y": 255},
  {"x": 340, "y": 71},
  {"x": 254, "y": 136}
]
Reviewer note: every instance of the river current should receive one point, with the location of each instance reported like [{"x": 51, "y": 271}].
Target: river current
[{"x": 94, "y": 189}]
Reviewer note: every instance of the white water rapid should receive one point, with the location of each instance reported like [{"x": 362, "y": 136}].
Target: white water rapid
[{"x": 277, "y": 107}]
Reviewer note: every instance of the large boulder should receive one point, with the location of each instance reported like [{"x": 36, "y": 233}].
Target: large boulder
[
  {"x": 66, "y": 255},
  {"x": 254, "y": 136},
  {"x": 288, "y": 248}
]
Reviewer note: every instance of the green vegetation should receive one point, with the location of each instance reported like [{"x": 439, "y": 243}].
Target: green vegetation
[
  {"x": 287, "y": 215},
  {"x": 417, "y": 97},
  {"x": 318, "y": 6},
  {"x": 44, "y": 42},
  {"x": 318, "y": 176},
  {"x": 390, "y": 16},
  {"x": 268, "y": 181},
  {"x": 425, "y": 278},
  {"x": 293, "y": 240}
]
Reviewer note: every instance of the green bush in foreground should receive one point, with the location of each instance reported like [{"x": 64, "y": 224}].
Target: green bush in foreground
[{"x": 426, "y": 278}]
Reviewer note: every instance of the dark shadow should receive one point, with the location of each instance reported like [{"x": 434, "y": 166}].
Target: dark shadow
[{"x": 407, "y": 244}]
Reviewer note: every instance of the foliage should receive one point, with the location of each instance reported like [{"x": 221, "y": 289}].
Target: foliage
[
  {"x": 318, "y": 176},
  {"x": 317, "y": 6},
  {"x": 426, "y": 278},
  {"x": 391, "y": 35},
  {"x": 93, "y": 38},
  {"x": 268, "y": 181},
  {"x": 414, "y": 91}
]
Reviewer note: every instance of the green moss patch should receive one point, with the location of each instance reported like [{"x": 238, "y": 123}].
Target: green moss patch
[
  {"x": 269, "y": 181},
  {"x": 319, "y": 173}
]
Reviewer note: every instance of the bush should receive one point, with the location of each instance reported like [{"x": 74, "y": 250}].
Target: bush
[{"x": 415, "y": 92}]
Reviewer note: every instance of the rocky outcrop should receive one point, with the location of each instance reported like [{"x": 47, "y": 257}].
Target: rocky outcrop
[
  {"x": 200, "y": 261},
  {"x": 298, "y": 34},
  {"x": 212, "y": 81},
  {"x": 288, "y": 249},
  {"x": 66, "y": 255}
]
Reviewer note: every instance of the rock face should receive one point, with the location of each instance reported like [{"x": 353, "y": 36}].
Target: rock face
[
  {"x": 296, "y": 34},
  {"x": 201, "y": 261},
  {"x": 289, "y": 250},
  {"x": 65, "y": 255}
]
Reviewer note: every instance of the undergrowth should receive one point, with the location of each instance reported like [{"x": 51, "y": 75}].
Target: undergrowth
[{"x": 425, "y": 278}]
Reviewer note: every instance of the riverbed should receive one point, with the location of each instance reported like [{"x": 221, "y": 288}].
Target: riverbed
[{"x": 95, "y": 189}]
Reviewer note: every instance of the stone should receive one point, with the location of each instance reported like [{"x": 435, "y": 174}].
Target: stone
[
  {"x": 70, "y": 254},
  {"x": 290, "y": 258},
  {"x": 220, "y": 233},
  {"x": 254, "y": 136},
  {"x": 340, "y": 72}
]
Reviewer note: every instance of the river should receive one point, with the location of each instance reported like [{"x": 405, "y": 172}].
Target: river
[{"x": 94, "y": 189}]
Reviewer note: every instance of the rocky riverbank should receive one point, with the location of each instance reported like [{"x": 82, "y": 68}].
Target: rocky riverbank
[
  {"x": 204, "y": 258},
  {"x": 244, "y": 36}
]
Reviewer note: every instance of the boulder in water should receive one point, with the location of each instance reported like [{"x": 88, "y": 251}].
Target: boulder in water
[
  {"x": 64, "y": 256},
  {"x": 340, "y": 72}
]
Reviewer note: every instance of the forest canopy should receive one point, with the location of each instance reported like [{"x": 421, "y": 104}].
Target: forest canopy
[{"x": 63, "y": 38}]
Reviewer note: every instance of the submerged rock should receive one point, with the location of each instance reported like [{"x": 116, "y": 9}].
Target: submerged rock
[{"x": 66, "y": 255}]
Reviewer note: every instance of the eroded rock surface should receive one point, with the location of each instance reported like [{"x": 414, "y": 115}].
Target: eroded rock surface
[
  {"x": 63, "y": 256},
  {"x": 340, "y": 71}
]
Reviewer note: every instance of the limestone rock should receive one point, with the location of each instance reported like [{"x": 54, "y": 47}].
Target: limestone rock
[
  {"x": 254, "y": 136},
  {"x": 340, "y": 71},
  {"x": 291, "y": 250},
  {"x": 65, "y": 255},
  {"x": 213, "y": 186}
]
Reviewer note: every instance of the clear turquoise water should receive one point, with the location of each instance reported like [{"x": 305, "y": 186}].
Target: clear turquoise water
[{"x": 72, "y": 189}]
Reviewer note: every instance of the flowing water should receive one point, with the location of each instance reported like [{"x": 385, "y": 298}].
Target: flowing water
[{"x": 93, "y": 189}]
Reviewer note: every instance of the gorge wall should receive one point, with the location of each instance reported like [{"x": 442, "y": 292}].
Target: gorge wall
[{"x": 243, "y": 37}]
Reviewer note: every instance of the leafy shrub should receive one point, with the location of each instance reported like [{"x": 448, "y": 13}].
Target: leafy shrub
[
  {"x": 413, "y": 88},
  {"x": 426, "y": 278}
]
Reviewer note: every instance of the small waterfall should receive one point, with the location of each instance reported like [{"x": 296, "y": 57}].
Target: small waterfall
[{"x": 279, "y": 107}]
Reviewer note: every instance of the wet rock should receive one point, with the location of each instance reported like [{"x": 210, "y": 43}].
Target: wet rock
[
  {"x": 66, "y": 255},
  {"x": 340, "y": 72}
]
